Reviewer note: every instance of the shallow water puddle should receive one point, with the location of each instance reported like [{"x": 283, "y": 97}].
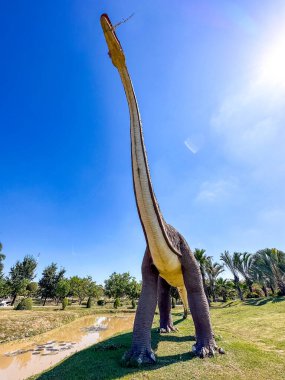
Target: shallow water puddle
[{"x": 19, "y": 360}]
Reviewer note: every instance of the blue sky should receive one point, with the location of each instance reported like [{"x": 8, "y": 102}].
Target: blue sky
[{"x": 210, "y": 84}]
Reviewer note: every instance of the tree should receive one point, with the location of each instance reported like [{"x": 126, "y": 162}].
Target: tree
[
  {"x": 134, "y": 289},
  {"x": 78, "y": 287},
  {"x": 62, "y": 288},
  {"x": 32, "y": 288},
  {"x": 243, "y": 264},
  {"x": 92, "y": 290},
  {"x": 2, "y": 258},
  {"x": 4, "y": 288},
  {"x": 269, "y": 265},
  {"x": 174, "y": 294},
  {"x": 213, "y": 270},
  {"x": 20, "y": 275},
  {"x": 232, "y": 263},
  {"x": 117, "y": 285},
  {"x": 202, "y": 260},
  {"x": 49, "y": 281},
  {"x": 225, "y": 289}
]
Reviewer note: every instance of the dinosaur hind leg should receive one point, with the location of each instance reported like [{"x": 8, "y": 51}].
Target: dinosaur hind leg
[
  {"x": 164, "y": 305},
  {"x": 141, "y": 352},
  {"x": 205, "y": 343}
]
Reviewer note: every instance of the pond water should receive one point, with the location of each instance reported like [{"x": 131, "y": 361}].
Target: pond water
[{"x": 21, "y": 359}]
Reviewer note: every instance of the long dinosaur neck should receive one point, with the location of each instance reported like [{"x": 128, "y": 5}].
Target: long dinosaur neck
[
  {"x": 151, "y": 219},
  {"x": 150, "y": 216}
]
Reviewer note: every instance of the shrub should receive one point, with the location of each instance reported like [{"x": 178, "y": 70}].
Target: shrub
[
  {"x": 89, "y": 303},
  {"x": 25, "y": 304},
  {"x": 253, "y": 295},
  {"x": 64, "y": 303},
  {"x": 101, "y": 302},
  {"x": 117, "y": 303}
]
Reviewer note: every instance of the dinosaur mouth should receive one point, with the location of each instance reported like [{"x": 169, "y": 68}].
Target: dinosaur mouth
[{"x": 114, "y": 46}]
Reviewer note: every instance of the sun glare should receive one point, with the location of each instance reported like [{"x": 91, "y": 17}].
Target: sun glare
[{"x": 272, "y": 64}]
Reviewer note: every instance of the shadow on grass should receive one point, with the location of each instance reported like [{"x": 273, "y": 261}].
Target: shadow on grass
[
  {"x": 263, "y": 301},
  {"x": 102, "y": 361}
]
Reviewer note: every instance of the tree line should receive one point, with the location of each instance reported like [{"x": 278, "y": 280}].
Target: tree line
[
  {"x": 54, "y": 285},
  {"x": 253, "y": 275}
]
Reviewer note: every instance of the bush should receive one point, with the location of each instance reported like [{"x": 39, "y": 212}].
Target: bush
[
  {"x": 117, "y": 303},
  {"x": 89, "y": 303},
  {"x": 253, "y": 295},
  {"x": 64, "y": 303},
  {"x": 25, "y": 304},
  {"x": 101, "y": 302}
]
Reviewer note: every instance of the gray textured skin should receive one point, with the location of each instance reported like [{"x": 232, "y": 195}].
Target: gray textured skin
[{"x": 165, "y": 246}]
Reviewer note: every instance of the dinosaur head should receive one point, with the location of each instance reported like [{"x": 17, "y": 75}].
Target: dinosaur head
[{"x": 115, "y": 49}]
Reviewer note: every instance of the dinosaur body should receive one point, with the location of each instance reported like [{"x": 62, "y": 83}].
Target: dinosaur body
[{"x": 168, "y": 259}]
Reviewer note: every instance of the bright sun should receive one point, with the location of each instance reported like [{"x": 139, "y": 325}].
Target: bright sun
[{"x": 272, "y": 64}]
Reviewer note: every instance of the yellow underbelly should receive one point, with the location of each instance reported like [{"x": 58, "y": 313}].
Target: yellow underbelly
[{"x": 168, "y": 265}]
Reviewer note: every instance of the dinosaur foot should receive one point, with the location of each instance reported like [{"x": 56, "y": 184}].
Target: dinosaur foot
[
  {"x": 138, "y": 358},
  {"x": 206, "y": 349},
  {"x": 167, "y": 329}
]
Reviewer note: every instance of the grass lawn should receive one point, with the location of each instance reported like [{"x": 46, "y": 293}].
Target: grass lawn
[
  {"x": 18, "y": 324},
  {"x": 252, "y": 333}
]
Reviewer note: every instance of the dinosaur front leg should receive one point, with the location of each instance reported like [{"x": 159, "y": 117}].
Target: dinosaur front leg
[
  {"x": 205, "y": 343},
  {"x": 141, "y": 352},
  {"x": 164, "y": 305}
]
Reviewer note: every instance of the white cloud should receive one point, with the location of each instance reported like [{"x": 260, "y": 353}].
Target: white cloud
[
  {"x": 191, "y": 146},
  {"x": 213, "y": 191}
]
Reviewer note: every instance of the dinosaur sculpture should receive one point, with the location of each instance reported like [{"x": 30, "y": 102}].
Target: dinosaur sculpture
[{"x": 168, "y": 259}]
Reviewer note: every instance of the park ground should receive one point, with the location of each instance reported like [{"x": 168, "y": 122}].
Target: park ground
[
  {"x": 19, "y": 324},
  {"x": 252, "y": 334}
]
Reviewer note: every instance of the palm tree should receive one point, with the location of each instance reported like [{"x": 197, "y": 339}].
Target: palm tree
[
  {"x": 225, "y": 288},
  {"x": 232, "y": 263},
  {"x": 213, "y": 270},
  {"x": 243, "y": 264},
  {"x": 202, "y": 260},
  {"x": 270, "y": 265}
]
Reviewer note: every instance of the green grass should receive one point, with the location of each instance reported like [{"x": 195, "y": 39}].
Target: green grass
[{"x": 252, "y": 333}]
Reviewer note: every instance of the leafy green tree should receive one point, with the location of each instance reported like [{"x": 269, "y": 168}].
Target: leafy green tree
[
  {"x": 4, "y": 287},
  {"x": 232, "y": 263},
  {"x": 20, "y": 275},
  {"x": 48, "y": 283},
  {"x": 92, "y": 290},
  {"x": 32, "y": 288},
  {"x": 2, "y": 258},
  {"x": 62, "y": 288},
  {"x": 116, "y": 285},
  {"x": 134, "y": 289},
  {"x": 78, "y": 287}
]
